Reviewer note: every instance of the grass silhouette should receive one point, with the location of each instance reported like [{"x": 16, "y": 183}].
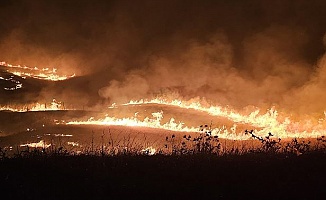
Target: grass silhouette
[{"x": 187, "y": 167}]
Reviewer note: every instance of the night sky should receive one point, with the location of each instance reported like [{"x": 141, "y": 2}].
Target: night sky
[{"x": 231, "y": 52}]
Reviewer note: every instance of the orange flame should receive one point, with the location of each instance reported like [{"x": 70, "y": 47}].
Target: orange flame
[
  {"x": 54, "y": 105},
  {"x": 43, "y": 74},
  {"x": 281, "y": 127}
]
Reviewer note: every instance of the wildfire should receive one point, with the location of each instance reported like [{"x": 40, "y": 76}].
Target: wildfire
[
  {"x": 35, "y": 72},
  {"x": 271, "y": 121},
  {"x": 54, "y": 105},
  {"x": 253, "y": 118},
  {"x": 154, "y": 122}
]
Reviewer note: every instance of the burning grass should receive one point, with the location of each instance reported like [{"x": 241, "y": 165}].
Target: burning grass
[
  {"x": 181, "y": 166},
  {"x": 263, "y": 123},
  {"x": 58, "y": 160},
  {"x": 35, "y": 72},
  {"x": 52, "y": 106}
]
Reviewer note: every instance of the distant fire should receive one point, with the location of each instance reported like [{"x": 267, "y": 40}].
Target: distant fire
[
  {"x": 281, "y": 127},
  {"x": 35, "y": 72},
  {"x": 54, "y": 105},
  {"x": 280, "y": 124}
]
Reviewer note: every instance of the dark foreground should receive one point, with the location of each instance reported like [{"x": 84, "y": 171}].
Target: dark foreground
[{"x": 252, "y": 176}]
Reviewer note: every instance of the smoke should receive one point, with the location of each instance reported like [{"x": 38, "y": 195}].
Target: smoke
[
  {"x": 134, "y": 86},
  {"x": 272, "y": 66},
  {"x": 237, "y": 53},
  {"x": 311, "y": 96}
]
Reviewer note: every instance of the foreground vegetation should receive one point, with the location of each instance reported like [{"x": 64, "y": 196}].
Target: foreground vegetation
[{"x": 189, "y": 168}]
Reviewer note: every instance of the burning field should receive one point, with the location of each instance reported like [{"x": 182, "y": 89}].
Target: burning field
[
  {"x": 132, "y": 86},
  {"x": 145, "y": 123}
]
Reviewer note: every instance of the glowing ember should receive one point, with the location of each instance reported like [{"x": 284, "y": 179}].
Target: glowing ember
[
  {"x": 281, "y": 127},
  {"x": 149, "y": 151},
  {"x": 43, "y": 74},
  {"x": 40, "y": 144},
  {"x": 74, "y": 144},
  {"x": 17, "y": 84}
]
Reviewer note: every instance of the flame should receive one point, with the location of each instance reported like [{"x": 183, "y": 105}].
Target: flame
[
  {"x": 154, "y": 122},
  {"x": 271, "y": 121},
  {"x": 43, "y": 74},
  {"x": 53, "y": 106},
  {"x": 253, "y": 118}
]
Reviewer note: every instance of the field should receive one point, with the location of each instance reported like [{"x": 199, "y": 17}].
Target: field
[
  {"x": 162, "y": 99},
  {"x": 113, "y": 162},
  {"x": 32, "y": 127},
  {"x": 147, "y": 150}
]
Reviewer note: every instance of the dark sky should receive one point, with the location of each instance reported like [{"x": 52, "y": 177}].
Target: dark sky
[{"x": 233, "y": 52}]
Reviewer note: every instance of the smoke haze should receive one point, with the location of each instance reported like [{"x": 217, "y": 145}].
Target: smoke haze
[{"x": 237, "y": 53}]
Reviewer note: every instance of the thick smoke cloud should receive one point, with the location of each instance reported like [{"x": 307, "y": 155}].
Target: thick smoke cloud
[{"x": 236, "y": 53}]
